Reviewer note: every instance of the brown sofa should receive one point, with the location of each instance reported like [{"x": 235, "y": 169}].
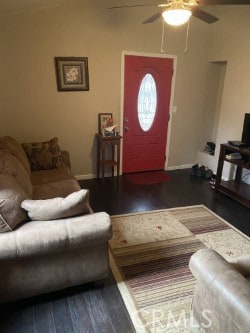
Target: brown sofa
[
  {"x": 221, "y": 301},
  {"x": 49, "y": 237}
]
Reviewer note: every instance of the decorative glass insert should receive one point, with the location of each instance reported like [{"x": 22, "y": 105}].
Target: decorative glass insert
[{"x": 147, "y": 102}]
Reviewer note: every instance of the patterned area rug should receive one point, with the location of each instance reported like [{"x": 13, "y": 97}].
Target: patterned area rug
[{"x": 149, "y": 256}]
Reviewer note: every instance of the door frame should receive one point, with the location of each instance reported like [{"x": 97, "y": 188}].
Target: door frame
[{"x": 150, "y": 55}]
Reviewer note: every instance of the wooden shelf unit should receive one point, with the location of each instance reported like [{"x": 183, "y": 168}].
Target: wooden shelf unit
[
  {"x": 103, "y": 144},
  {"x": 236, "y": 189}
]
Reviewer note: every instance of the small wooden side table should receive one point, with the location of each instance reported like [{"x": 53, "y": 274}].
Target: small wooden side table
[{"x": 112, "y": 143}]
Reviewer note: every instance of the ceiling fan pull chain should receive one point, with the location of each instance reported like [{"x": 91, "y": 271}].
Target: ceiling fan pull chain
[
  {"x": 187, "y": 35},
  {"x": 162, "y": 35}
]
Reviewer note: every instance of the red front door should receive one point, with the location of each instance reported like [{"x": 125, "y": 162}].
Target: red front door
[{"x": 147, "y": 91}]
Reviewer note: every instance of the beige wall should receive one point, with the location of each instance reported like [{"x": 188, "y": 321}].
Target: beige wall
[
  {"x": 31, "y": 108},
  {"x": 230, "y": 42}
]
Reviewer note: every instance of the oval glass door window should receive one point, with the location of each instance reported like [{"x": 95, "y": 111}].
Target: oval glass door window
[{"x": 147, "y": 102}]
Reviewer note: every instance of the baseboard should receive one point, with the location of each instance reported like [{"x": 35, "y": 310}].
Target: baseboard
[
  {"x": 178, "y": 167},
  {"x": 83, "y": 177},
  {"x": 92, "y": 176}
]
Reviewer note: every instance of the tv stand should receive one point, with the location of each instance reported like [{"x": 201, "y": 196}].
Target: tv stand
[{"x": 236, "y": 189}]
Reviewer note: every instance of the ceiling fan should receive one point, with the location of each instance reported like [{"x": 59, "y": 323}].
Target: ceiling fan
[{"x": 178, "y": 12}]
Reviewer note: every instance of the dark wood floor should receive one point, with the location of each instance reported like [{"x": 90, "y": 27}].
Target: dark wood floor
[{"x": 91, "y": 309}]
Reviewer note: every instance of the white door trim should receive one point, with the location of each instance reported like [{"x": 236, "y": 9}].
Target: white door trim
[{"x": 151, "y": 55}]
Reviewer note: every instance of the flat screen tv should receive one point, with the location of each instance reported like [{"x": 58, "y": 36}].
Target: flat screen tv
[{"x": 246, "y": 130}]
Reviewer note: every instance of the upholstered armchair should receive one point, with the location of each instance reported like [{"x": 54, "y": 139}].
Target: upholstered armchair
[{"x": 221, "y": 301}]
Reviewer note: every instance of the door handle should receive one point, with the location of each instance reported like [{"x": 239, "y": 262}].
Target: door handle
[{"x": 126, "y": 128}]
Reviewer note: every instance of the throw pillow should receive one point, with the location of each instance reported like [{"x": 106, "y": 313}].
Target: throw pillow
[
  {"x": 44, "y": 155},
  {"x": 11, "y": 196},
  {"x": 74, "y": 204}
]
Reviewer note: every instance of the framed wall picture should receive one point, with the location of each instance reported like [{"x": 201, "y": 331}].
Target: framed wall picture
[
  {"x": 104, "y": 121},
  {"x": 72, "y": 73}
]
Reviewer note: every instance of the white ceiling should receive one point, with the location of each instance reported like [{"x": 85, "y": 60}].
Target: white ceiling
[{"x": 8, "y": 7}]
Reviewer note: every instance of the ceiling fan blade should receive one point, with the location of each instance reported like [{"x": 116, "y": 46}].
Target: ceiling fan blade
[
  {"x": 223, "y": 2},
  {"x": 153, "y": 18},
  {"x": 204, "y": 16}
]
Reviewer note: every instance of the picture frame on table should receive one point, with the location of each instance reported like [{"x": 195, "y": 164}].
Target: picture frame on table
[
  {"x": 103, "y": 121},
  {"x": 72, "y": 73}
]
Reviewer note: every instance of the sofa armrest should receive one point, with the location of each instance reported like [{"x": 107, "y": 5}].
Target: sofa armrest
[
  {"x": 224, "y": 283},
  {"x": 44, "y": 237},
  {"x": 66, "y": 158}
]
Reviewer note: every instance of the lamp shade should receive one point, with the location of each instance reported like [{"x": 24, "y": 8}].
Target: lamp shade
[{"x": 176, "y": 16}]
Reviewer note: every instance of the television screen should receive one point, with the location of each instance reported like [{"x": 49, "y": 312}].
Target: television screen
[{"x": 246, "y": 130}]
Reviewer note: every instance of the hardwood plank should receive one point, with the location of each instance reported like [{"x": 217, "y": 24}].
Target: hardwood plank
[
  {"x": 115, "y": 304},
  {"x": 43, "y": 317},
  {"x": 79, "y": 314},
  {"x": 98, "y": 313},
  {"x": 24, "y": 319},
  {"x": 61, "y": 316}
]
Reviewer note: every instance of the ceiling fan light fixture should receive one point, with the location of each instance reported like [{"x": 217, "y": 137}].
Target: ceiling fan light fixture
[{"x": 176, "y": 17}]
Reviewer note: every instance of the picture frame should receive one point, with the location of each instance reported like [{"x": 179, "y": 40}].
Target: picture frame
[
  {"x": 103, "y": 119},
  {"x": 72, "y": 73}
]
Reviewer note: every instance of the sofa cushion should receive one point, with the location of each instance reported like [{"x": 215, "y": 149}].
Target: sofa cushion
[
  {"x": 16, "y": 149},
  {"x": 11, "y": 166},
  {"x": 11, "y": 196},
  {"x": 51, "y": 190},
  {"x": 43, "y": 155},
  {"x": 53, "y": 175},
  {"x": 51, "y": 209}
]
